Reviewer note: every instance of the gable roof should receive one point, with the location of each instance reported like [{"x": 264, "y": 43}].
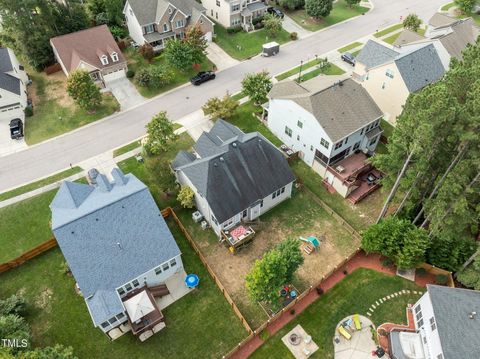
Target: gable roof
[
  {"x": 149, "y": 11},
  {"x": 8, "y": 82},
  {"x": 458, "y": 333},
  {"x": 243, "y": 169},
  {"x": 109, "y": 234},
  {"x": 420, "y": 67},
  {"x": 340, "y": 105},
  {"x": 407, "y": 37},
  {"x": 441, "y": 20},
  {"x": 6, "y": 64},
  {"x": 374, "y": 54},
  {"x": 87, "y": 46},
  {"x": 462, "y": 33}
]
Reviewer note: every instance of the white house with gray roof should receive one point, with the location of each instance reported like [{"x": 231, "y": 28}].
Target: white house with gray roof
[
  {"x": 115, "y": 241},
  {"x": 235, "y": 13},
  {"x": 13, "y": 88},
  {"x": 236, "y": 176},
  {"x": 391, "y": 74},
  {"x": 156, "y": 21},
  {"x": 447, "y": 326}
]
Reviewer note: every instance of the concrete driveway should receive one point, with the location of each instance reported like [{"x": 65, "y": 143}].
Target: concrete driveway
[
  {"x": 291, "y": 26},
  {"x": 7, "y": 145},
  {"x": 219, "y": 57},
  {"x": 125, "y": 93}
]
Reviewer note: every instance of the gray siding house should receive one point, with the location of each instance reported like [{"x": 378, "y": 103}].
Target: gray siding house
[
  {"x": 115, "y": 241},
  {"x": 236, "y": 176}
]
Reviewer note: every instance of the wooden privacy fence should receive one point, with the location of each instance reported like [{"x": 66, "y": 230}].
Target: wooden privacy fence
[
  {"x": 169, "y": 211},
  {"x": 439, "y": 271},
  {"x": 45, "y": 246},
  {"x": 53, "y": 68}
]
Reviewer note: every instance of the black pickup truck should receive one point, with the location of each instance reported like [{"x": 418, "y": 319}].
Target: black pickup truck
[{"x": 16, "y": 129}]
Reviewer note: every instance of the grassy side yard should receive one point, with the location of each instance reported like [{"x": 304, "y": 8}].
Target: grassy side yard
[
  {"x": 447, "y": 6},
  {"x": 127, "y": 148},
  {"x": 136, "y": 61},
  {"x": 55, "y": 113},
  {"x": 388, "y": 30},
  {"x": 341, "y": 11},
  {"x": 330, "y": 70},
  {"x": 201, "y": 324},
  {"x": 243, "y": 45},
  {"x": 350, "y": 46},
  {"x": 43, "y": 182},
  {"x": 355, "y": 294}
]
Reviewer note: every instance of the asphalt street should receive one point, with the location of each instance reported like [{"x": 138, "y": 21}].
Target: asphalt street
[{"x": 59, "y": 153}]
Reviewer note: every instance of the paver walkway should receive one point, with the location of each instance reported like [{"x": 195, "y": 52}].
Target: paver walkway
[{"x": 360, "y": 260}]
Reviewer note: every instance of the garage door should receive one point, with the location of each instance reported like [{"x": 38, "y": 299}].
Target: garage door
[{"x": 114, "y": 75}]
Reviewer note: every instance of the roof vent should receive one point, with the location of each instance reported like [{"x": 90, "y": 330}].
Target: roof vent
[
  {"x": 119, "y": 246},
  {"x": 234, "y": 144},
  {"x": 215, "y": 164},
  {"x": 472, "y": 315},
  {"x": 222, "y": 159}
]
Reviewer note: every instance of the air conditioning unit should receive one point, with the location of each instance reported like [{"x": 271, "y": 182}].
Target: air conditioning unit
[
  {"x": 204, "y": 225},
  {"x": 340, "y": 169}
]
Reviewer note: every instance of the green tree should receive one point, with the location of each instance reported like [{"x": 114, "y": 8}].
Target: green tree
[
  {"x": 318, "y": 8},
  {"x": 412, "y": 22},
  {"x": 82, "y": 89},
  {"x": 470, "y": 276},
  {"x": 12, "y": 305},
  {"x": 256, "y": 86},
  {"x": 398, "y": 240},
  {"x": 351, "y": 3},
  {"x": 272, "y": 24},
  {"x": 160, "y": 134},
  {"x": 465, "y": 6},
  {"x": 154, "y": 76},
  {"x": 292, "y": 4},
  {"x": 178, "y": 53},
  {"x": 56, "y": 352},
  {"x": 106, "y": 11},
  {"x": 220, "y": 108},
  {"x": 186, "y": 197},
  {"x": 198, "y": 44},
  {"x": 274, "y": 270},
  {"x": 450, "y": 251},
  {"x": 14, "y": 327}
]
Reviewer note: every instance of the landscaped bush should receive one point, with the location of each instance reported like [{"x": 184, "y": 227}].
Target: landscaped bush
[
  {"x": 257, "y": 20},
  {"x": 258, "y": 26},
  {"x": 293, "y": 36},
  {"x": 147, "y": 52},
  {"x": 234, "y": 29},
  {"x": 28, "y": 111},
  {"x": 153, "y": 76},
  {"x": 130, "y": 74}
]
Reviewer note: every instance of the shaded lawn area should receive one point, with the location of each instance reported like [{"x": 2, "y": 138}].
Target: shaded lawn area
[
  {"x": 387, "y": 128},
  {"x": 330, "y": 70},
  {"x": 38, "y": 184},
  {"x": 201, "y": 324},
  {"x": 250, "y": 43},
  {"x": 136, "y": 61},
  {"x": 54, "y": 113},
  {"x": 341, "y": 11},
  {"x": 355, "y": 294},
  {"x": 350, "y": 46},
  {"x": 388, "y": 30}
]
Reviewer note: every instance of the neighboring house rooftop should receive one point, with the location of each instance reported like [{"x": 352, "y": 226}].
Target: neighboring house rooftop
[
  {"x": 459, "y": 334},
  {"x": 374, "y": 54},
  {"x": 407, "y": 37},
  {"x": 149, "y": 11},
  {"x": 461, "y": 34},
  {"x": 236, "y": 171},
  {"x": 441, "y": 20},
  {"x": 87, "y": 46},
  {"x": 109, "y": 234},
  {"x": 340, "y": 105},
  {"x": 8, "y": 82}
]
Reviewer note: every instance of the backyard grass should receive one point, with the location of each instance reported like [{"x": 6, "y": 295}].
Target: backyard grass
[
  {"x": 127, "y": 148},
  {"x": 388, "y": 30},
  {"x": 136, "y": 61},
  {"x": 341, "y": 11},
  {"x": 54, "y": 112},
  {"x": 350, "y": 46},
  {"x": 387, "y": 128},
  {"x": 330, "y": 70},
  {"x": 355, "y": 294},
  {"x": 199, "y": 325},
  {"x": 447, "y": 6},
  {"x": 38, "y": 184},
  {"x": 243, "y": 45}
]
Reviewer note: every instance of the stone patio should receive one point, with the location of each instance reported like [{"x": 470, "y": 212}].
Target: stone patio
[
  {"x": 176, "y": 286},
  {"x": 306, "y": 346}
]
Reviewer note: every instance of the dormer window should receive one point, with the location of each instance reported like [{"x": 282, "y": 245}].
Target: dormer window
[
  {"x": 104, "y": 59},
  {"x": 149, "y": 29},
  {"x": 114, "y": 56}
]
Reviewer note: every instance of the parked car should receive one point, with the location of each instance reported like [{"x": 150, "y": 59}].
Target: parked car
[
  {"x": 16, "y": 129},
  {"x": 348, "y": 58},
  {"x": 276, "y": 12},
  {"x": 92, "y": 176},
  {"x": 202, "y": 77}
]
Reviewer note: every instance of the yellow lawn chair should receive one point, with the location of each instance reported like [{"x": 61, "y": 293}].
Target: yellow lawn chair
[
  {"x": 344, "y": 333},
  {"x": 356, "y": 320}
]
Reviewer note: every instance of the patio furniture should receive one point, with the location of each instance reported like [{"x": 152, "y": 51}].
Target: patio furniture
[
  {"x": 308, "y": 339},
  {"x": 344, "y": 332},
  {"x": 294, "y": 339},
  {"x": 356, "y": 321},
  {"x": 159, "y": 327},
  {"x": 306, "y": 352},
  {"x": 159, "y": 291},
  {"x": 145, "y": 335}
]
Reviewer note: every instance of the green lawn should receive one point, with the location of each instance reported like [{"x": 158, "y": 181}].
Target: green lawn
[
  {"x": 388, "y": 30},
  {"x": 350, "y": 46},
  {"x": 329, "y": 70},
  {"x": 447, "y": 6},
  {"x": 387, "y": 128},
  {"x": 243, "y": 45},
  {"x": 341, "y": 11},
  {"x": 238, "y": 96},
  {"x": 200, "y": 325},
  {"x": 25, "y": 225},
  {"x": 38, "y": 184},
  {"x": 136, "y": 61},
  {"x": 52, "y": 117},
  {"x": 355, "y": 294},
  {"x": 127, "y": 148}
]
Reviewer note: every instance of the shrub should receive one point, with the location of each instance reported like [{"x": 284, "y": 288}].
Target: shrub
[
  {"x": 154, "y": 76},
  {"x": 319, "y": 290},
  {"x": 234, "y": 29},
  {"x": 12, "y": 305},
  {"x": 130, "y": 74},
  {"x": 258, "y": 26},
  {"x": 82, "y": 89},
  {"x": 292, "y": 4},
  {"x": 257, "y": 20},
  {"x": 118, "y": 32},
  {"x": 147, "y": 52},
  {"x": 220, "y": 108},
  {"x": 441, "y": 279},
  {"x": 186, "y": 197},
  {"x": 28, "y": 111},
  {"x": 387, "y": 263},
  {"x": 293, "y": 36},
  {"x": 264, "y": 334}
]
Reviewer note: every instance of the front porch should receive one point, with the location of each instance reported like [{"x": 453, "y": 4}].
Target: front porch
[
  {"x": 158, "y": 40},
  {"x": 251, "y": 12}
]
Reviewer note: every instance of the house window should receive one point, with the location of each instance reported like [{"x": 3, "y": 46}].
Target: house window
[
  {"x": 216, "y": 15},
  {"x": 173, "y": 262},
  {"x": 165, "y": 28},
  {"x": 366, "y": 77},
  {"x": 261, "y": 203},
  {"x": 158, "y": 270},
  {"x": 274, "y": 195},
  {"x": 121, "y": 291},
  {"x": 361, "y": 132},
  {"x": 311, "y": 148},
  {"x": 104, "y": 60},
  {"x": 417, "y": 309},
  {"x": 149, "y": 29},
  {"x": 440, "y": 356},
  {"x": 377, "y": 123},
  {"x": 300, "y": 124},
  {"x": 283, "y": 190},
  {"x": 324, "y": 143},
  {"x": 214, "y": 220},
  {"x": 112, "y": 320},
  {"x": 432, "y": 324},
  {"x": 21, "y": 67},
  {"x": 170, "y": 10},
  {"x": 135, "y": 283},
  {"x": 211, "y": 12},
  {"x": 373, "y": 141},
  {"x": 346, "y": 140},
  {"x": 236, "y": 22},
  {"x": 201, "y": 21},
  {"x": 235, "y": 7},
  {"x": 131, "y": 12},
  {"x": 218, "y": 2},
  {"x": 389, "y": 73},
  {"x": 244, "y": 213},
  {"x": 128, "y": 287},
  {"x": 420, "y": 323},
  {"x": 114, "y": 56},
  {"x": 105, "y": 324},
  {"x": 165, "y": 266},
  {"x": 179, "y": 23},
  {"x": 356, "y": 146},
  {"x": 298, "y": 137},
  {"x": 338, "y": 145},
  {"x": 288, "y": 131}
]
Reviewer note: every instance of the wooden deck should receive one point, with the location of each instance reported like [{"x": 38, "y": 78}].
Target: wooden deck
[{"x": 148, "y": 321}]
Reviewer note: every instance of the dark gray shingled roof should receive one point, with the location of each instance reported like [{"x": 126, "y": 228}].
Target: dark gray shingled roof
[
  {"x": 243, "y": 169},
  {"x": 7, "y": 82},
  {"x": 374, "y": 54},
  {"x": 148, "y": 11},
  {"x": 5, "y": 61},
  {"x": 458, "y": 333},
  {"x": 420, "y": 67},
  {"x": 182, "y": 158},
  {"x": 109, "y": 234}
]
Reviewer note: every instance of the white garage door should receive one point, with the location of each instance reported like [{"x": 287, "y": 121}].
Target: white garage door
[
  {"x": 208, "y": 36},
  {"x": 114, "y": 75}
]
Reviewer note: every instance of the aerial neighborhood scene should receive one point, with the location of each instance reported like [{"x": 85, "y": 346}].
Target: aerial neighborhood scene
[{"x": 240, "y": 179}]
